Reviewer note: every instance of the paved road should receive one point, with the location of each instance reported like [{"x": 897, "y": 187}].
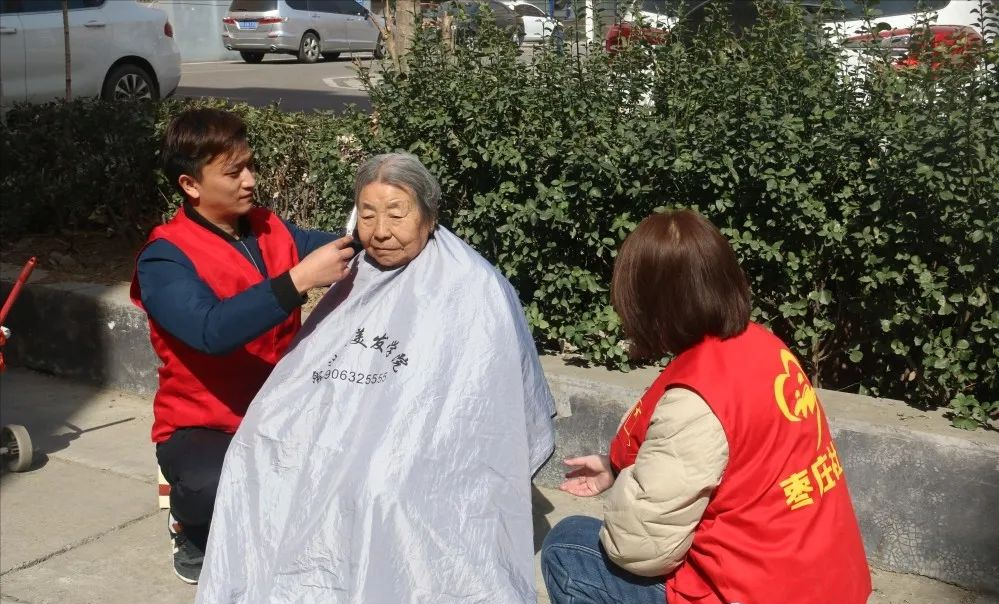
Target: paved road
[
  {"x": 325, "y": 86},
  {"x": 83, "y": 526}
]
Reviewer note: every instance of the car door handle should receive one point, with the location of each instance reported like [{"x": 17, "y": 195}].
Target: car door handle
[
  {"x": 94, "y": 24},
  {"x": 8, "y": 30}
]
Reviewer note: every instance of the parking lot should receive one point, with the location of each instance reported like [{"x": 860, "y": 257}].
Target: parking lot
[{"x": 322, "y": 86}]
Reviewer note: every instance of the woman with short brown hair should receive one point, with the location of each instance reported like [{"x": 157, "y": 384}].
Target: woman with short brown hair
[{"x": 724, "y": 484}]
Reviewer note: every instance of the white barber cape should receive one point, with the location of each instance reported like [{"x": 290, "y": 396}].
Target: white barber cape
[{"x": 388, "y": 458}]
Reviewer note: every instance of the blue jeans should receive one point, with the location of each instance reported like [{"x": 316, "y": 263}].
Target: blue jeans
[{"x": 577, "y": 570}]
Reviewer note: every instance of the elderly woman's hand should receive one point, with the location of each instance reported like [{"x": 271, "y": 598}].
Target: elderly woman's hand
[{"x": 591, "y": 475}]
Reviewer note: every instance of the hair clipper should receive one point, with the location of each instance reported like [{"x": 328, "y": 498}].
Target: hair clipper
[{"x": 351, "y": 228}]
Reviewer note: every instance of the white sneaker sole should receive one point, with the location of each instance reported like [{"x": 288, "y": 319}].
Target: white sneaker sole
[{"x": 184, "y": 579}]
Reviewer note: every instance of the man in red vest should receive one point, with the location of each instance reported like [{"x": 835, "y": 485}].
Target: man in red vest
[
  {"x": 724, "y": 484},
  {"x": 222, "y": 284}
]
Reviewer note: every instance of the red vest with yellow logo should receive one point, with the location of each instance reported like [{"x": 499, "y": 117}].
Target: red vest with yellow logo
[
  {"x": 213, "y": 391},
  {"x": 780, "y": 528}
]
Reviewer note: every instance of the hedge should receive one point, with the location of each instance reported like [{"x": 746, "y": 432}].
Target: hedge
[{"x": 862, "y": 201}]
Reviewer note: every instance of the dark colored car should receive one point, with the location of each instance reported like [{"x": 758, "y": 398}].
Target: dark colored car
[
  {"x": 653, "y": 19},
  {"x": 467, "y": 17}
]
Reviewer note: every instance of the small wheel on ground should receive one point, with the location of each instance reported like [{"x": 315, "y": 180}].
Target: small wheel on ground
[
  {"x": 129, "y": 83},
  {"x": 379, "y": 52},
  {"x": 308, "y": 50},
  {"x": 252, "y": 57},
  {"x": 18, "y": 444},
  {"x": 331, "y": 56}
]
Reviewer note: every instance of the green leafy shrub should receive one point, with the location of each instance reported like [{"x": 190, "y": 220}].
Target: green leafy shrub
[
  {"x": 863, "y": 202},
  {"x": 89, "y": 163},
  {"x": 82, "y": 163}
]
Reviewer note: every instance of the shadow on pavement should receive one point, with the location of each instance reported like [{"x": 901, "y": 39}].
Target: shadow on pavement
[
  {"x": 66, "y": 329},
  {"x": 278, "y": 60},
  {"x": 541, "y": 507},
  {"x": 332, "y": 99},
  {"x": 57, "y": 414},
  {"x": 45, "y": 441}
]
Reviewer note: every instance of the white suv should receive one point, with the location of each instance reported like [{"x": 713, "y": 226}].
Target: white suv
[
  {"x": 538, "y": 26},
  {"x": 119, "y": 49}
]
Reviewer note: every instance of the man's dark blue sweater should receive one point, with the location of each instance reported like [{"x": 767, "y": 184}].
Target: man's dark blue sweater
[{"x": 185, "y": 306}]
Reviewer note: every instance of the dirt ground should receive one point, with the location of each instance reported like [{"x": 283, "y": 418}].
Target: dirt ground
[{"x": 74, "y": 256}]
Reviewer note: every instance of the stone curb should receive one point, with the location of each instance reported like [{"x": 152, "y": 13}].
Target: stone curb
[{"x": 925, "y": 493}]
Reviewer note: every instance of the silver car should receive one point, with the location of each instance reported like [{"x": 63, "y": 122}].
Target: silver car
[
  {"x": 118, "y": 50},
  {"x": 308, "y": 29}
]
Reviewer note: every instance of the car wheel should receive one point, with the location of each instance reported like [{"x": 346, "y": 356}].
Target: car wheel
[
  {"x": 308, "y": 50},
  {"x": 252, "y": 57},
  {"x": 331, "y": 56},
  {"x": 129, "y": 83},
  {"x": 379, "y": 52}
]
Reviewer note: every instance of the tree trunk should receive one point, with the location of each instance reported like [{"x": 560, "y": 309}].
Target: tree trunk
[
  {"x": 65, "y": 42},
  {"x": 446, "y": 23},
  {"x": 406, "y": 15}
]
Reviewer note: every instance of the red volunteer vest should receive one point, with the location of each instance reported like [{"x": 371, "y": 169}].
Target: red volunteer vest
[
  {"x": 213, "y": 391},
  {"x": 780, "y": 528}
]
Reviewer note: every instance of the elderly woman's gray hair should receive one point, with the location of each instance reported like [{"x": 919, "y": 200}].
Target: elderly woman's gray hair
[{"x": 403, "y": 170}]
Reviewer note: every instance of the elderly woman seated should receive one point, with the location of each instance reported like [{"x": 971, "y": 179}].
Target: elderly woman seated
[{"x": 388, "y": 458}]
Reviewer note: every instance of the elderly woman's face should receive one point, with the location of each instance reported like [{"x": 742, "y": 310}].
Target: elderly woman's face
[{"x": 390, "y": 224}]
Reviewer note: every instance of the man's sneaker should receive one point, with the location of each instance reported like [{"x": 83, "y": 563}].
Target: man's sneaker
[{"x": 187, "y": 557}]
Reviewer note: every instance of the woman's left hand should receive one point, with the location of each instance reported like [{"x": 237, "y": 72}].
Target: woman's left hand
[{"x": 591, "y": 475}]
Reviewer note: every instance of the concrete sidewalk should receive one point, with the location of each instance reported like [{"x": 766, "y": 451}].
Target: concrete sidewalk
[{"x": 84, "y": 526}]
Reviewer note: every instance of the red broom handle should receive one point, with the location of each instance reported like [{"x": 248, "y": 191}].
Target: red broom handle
[{"x": 21, "y": 280}]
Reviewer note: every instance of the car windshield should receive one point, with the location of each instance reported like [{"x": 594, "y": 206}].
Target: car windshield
[
  {"x": 528, "y": 10},
  {"x": 252, "y": 6},
  {"x": 854, "y": 9}
]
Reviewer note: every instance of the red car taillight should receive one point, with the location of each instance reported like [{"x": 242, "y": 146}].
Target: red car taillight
[
  {"x": 228, "y": 20},
  {"x": 908, "y": 47},
  {"x": 619, "y": 33},
  {"x": 270, "y": 20},
  {"x": 168, "y": 30}
]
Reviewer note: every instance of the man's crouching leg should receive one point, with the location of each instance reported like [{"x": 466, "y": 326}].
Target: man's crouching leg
[{"x": 191, "y": 461}]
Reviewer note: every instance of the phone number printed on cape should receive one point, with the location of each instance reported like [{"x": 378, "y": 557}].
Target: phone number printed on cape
[
  {"x": 383, "y": 344},
  {"x": 354, "y": 377}
]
